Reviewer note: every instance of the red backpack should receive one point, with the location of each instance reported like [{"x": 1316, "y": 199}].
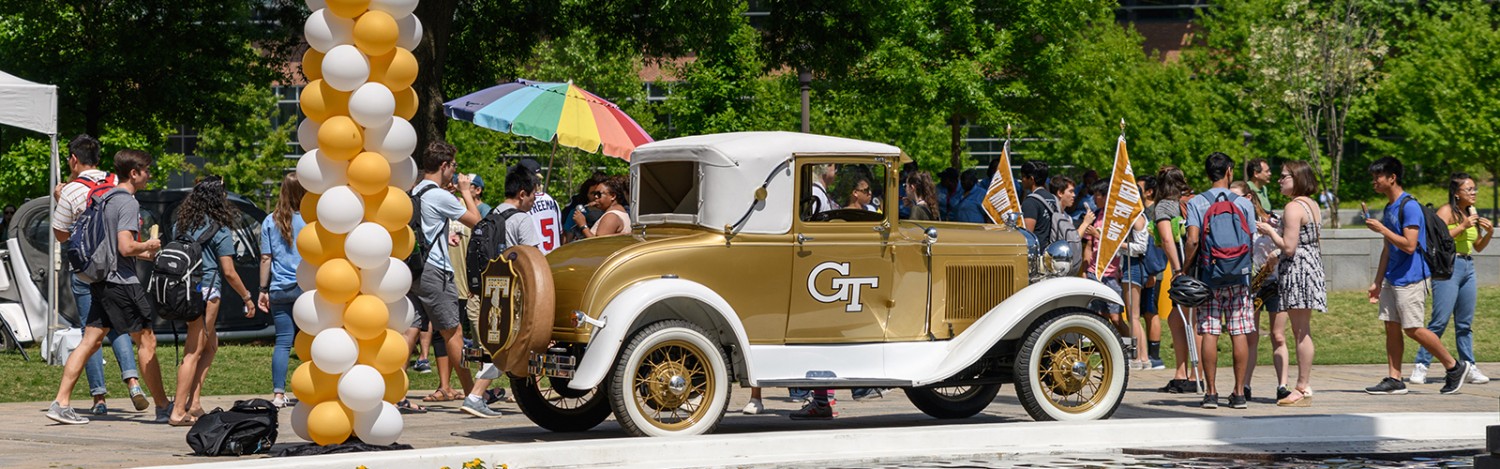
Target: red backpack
[{"x": 97, "y": 189}]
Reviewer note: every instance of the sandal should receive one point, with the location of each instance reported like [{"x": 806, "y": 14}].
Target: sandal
[
  {"x": 187, "y": 421},
  {"x": 1303, "y": 399},
  {"x": 407, "y": 407},
  {"x": 438, "y": 396}
]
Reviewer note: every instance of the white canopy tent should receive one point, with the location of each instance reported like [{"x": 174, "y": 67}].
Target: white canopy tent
[{"x": 33, "y": 106}]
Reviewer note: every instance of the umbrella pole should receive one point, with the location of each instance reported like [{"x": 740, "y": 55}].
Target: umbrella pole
[{"x": 551, "y": 166}]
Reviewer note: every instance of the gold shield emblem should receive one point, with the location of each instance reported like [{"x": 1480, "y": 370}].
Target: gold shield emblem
[{"x": 500, "y": 306}]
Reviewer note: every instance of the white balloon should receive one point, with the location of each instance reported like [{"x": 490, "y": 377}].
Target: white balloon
[
  {"x": 307, "y": 134},
  {"x": 397, "y": 8},
  {"x": 402, "y": 313},
  {"x": 326, "y": 30},
  {"x": 403, "y": 173},
  {"x": 307, "y": 276},
  {"x": 409, "y": 32},
  {"x": 389, "y": 281},
  {"x": 299, "y": 419},
  {"x": 379, "y": 426},
  {"x": 368, "y": 245},
  {"x": 395, "y": 139},
  {"x": 313, "y": 314},
  {"x": 372, "y": 105},
  {"x": 340, "y": 209},
  {"x": 361, "y": 388},
  {"x": 345, "y": 68},
  {"x": 334, "y": 351},
  {"x": 318, "y": 174}
]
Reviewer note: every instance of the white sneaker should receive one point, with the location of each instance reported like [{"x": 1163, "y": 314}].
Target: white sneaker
[
  {"x": 1475, "y": 377},
  {"x": 754, "y": 407},
  {"x": 1418, "y": 374}
]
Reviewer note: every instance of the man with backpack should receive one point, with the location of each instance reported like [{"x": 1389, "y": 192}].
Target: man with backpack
[
  {"x": 434, "y": 295},
  {"x": 72, "y": 198},
  {"x": 1220, "y": 226},
  {"x": 510, "y": 224},
  {"x": 110, "y": 224},
  {"x": 1401, "y": 280}
]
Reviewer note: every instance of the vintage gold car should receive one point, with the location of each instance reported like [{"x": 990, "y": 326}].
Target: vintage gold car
[{"x": 777, "y": 260}]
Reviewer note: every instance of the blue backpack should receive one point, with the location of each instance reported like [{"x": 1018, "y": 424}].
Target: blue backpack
[
  {"x": 90, "y": 249},
  {"x": 1224, "y": 258}
]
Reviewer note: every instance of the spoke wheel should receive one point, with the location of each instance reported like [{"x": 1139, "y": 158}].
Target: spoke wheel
[
  {"x": 670, "y": 379},
  {"x": 551, "y": 405},
  {"x": 953, "y": 402},
  {"x": 1071, "y": 368}
]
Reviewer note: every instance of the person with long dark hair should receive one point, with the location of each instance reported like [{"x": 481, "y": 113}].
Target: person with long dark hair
[
  {"x": 278, "y": 277},
  {"x": 923, "y": 197},
  {"x": 607, "y": 196},
  {"x": 207, "y": 208},
  {"x": 1456, "y": 297},
  {"x": 1166, "y": 213}
]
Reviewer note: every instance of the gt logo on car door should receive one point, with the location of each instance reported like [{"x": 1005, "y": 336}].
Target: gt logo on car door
[{"x": 844, "y": 288}]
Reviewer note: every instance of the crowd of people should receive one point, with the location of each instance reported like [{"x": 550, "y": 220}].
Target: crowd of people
[{"x": 1225, "y": 255}]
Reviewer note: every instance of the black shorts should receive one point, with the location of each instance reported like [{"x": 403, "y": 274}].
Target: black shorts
[{"x": 125, "y": 308}]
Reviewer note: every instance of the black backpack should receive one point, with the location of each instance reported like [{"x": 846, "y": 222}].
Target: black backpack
[
  {"x": 1440, "y": 249},
  {"x": 417, "y": 261},
  {"x": 485, "y": 245},
  {"x": 247, "y": 428},
  {"x": 172, "y": 289}
]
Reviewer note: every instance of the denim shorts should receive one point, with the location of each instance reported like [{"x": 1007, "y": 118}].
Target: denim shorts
[{"x": 1133, "y": 271}]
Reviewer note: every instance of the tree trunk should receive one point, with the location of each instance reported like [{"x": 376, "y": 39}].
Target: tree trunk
[
  {"x": 437, "y": 23},
  {"x": 956, "y": 143}
]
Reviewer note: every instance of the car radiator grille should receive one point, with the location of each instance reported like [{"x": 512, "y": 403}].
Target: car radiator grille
[{"x": 975, "y": 289}]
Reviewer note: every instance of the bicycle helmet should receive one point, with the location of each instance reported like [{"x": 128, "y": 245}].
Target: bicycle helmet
[{"x": 1188, "y": 292}]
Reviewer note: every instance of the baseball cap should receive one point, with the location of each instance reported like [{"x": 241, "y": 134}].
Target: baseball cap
[
  {"x": 531, "y": 165},
  {"x": 477, "y": 181}
]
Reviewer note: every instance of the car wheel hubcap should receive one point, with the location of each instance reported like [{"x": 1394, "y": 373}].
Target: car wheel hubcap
[
  {"x": 673, "y": 384},
  {"x": 1074, "y": 370}
]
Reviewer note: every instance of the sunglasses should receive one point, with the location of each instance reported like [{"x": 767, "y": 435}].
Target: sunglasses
[{"x": 597, "y": 194}]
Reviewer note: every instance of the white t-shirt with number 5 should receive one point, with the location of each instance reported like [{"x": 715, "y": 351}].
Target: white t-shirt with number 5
[{"x": 548, "y": 223}]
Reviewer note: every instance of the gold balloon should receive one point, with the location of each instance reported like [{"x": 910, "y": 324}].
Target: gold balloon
[
  {"x": 318, "y": 245},
  {"x": 396, "y": 70},
  {"x": 330, "y": 423},
  {"x": 395, "y": 385},
  {"x": 365, "y": 318},
  {"x": 369, "y": 173},
  {"x": 338, "y": 281},
  {"x": 402, "y": 242},
  {"x": 375, "y": 33},
  {"x": 340, "y": 138},
  {"x": 312, "y": 64},
  {"x": 309, "y": 207},
  {"x": 303, "y": 346},
  {"x": 406, "y": 103},
  {"x": 348, "y": 8},
  {"x": 313, "y": 386},
  {"x": 386, "y": 352},
  {"x": 390, "y": 208},
  {"x": 320, "y": 101}
]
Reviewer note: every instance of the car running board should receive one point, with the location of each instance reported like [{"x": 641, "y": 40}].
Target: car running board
[{"x": 835, "y": 383}]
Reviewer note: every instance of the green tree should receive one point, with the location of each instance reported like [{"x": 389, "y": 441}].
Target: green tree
[
  {"x": 1441, "y": 94},
  {"x": 249, "y": 151}
]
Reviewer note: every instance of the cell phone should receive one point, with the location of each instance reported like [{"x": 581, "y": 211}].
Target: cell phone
[{"x": 1364, "y": 210}]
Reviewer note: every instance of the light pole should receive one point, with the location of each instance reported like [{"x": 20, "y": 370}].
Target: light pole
[{"x": 804, "y": 76}]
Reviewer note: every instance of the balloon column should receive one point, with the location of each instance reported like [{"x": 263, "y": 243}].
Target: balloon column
[{"x": 357, "y": 169}]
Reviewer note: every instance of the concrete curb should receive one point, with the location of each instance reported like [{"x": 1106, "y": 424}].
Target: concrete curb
[{"x": 891, "y": 443}]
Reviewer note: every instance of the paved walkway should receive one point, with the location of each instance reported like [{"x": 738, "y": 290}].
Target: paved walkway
[{"x": 123, "y": 438}]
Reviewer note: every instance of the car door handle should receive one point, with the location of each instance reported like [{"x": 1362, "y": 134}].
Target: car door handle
[{"x": 802, "y": 238}]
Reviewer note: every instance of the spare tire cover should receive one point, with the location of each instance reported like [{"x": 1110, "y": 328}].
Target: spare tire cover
[{"x": 516, "y": 309}]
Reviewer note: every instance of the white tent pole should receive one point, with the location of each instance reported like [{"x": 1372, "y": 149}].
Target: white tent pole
[{"x": 52, "y": 249}]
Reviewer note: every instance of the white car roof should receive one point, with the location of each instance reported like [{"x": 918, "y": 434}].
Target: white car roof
[{"x": 734, "y": 165}]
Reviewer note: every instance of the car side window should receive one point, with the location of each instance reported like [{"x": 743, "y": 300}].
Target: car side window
[{"x": 842, "y": 192}]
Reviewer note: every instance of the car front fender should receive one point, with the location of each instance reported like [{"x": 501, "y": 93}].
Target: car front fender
[
  {"x": 655, "y": 300},
  {"x": 1013, "y": 317}
]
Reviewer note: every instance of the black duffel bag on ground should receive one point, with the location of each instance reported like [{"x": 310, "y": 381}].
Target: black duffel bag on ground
[{"x": 247, "y": 428}]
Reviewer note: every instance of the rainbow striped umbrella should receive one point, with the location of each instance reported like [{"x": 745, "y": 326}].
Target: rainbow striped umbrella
[{"x": 576, "y": 118}]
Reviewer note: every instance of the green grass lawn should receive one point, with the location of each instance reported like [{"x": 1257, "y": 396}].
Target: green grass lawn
[
  {"x": 1348, "y": 333},
  {"x": 239, "y": 368},
  {"x": 1351, "y": 333}
]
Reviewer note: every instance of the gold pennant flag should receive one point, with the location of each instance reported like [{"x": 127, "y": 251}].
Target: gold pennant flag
[
  {"x": 1002, "y": 197},
  {"x": 1120, "y": 209}
]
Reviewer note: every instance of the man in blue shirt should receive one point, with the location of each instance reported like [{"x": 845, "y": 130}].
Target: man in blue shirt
[
  {"x": 1401, "y": 282},
  {"x": 1229, "y": 306}
]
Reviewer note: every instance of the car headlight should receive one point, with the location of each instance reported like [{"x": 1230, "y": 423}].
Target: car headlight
[
  {"x": 1059, "y": 259},
  {"x": 1034, "y": 253}
]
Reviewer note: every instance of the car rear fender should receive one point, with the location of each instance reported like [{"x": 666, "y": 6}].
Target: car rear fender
[
  {"x": 1013, "y": 317},
  {"x": 655, "y": 300}
]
